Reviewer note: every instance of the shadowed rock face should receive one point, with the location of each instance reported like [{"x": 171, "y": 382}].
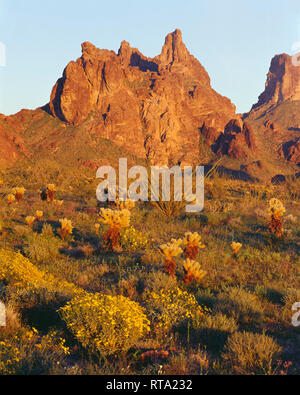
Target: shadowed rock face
[
  {"x": 153, "y": 107},
  {"x": 291, "y": 151},
  {"x": 283, "y": 82},
  {"x": 276, "y": 116},
  {"x": 238, "y": 140}
]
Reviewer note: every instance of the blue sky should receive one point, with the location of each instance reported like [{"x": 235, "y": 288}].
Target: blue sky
[{"x": 234, "y": 40}]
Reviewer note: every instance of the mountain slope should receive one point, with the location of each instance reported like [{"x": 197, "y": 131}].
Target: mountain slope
[{"x": 160, "y": 109}]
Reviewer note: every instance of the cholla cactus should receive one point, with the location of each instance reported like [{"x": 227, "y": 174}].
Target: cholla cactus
[
  {"x": 19, "y": 193},
  {"x": 116, "y": 219},
  {"x": 236, "y": 247},
  {"x": 10, "y": 198},
  {"x": 193, "y": 272},
  {"x": 192, "y": 244},
  {"x": 127, "y": 205},
  {"x": 123, "y": 204},
  {"x": 39, "y": 215},
  {"x": 50, "y": 192},
  {"x": 170, "y": 251},
  {"x": 276, "y": 212},
  {"x": 30, "y": 220},
  {"x": 66, "y": 228}
]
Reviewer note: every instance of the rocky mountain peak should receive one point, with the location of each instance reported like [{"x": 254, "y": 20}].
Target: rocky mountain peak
[
  {"x": 283, "y": 82},
  {"x": 174, "y": 50}
]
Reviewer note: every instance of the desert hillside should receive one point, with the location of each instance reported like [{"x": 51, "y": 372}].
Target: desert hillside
[{"x": 162, "y": 110}]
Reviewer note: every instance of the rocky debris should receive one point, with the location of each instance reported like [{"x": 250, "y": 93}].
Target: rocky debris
[
  {"x": 281, "y": 179},
  {"x": 238, "y": 140},
  {"x": 271, "y": 126},
  {"x": 210, "y": 133},
  {"x": 291, "y": 151}
]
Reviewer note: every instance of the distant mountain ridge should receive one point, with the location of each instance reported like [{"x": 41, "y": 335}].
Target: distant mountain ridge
[{"x": 160, "y": 109}]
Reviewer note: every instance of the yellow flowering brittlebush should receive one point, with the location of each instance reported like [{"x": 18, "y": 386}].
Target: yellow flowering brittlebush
[
  {"x": 104, "y": 323},
  {"x": 133, "y": 240},
  {"x": 14, "y": 352},
  {"x": 172, "y": 307},
  {"x": 19, "y": 272}
]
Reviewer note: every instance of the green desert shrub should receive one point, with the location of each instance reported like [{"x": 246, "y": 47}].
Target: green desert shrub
[
  {"x": 205, "y": 297},
  {"x": 240, "y": 303},
  {"x": 42, "y": 247},
  {"x": 28, "y": 352},
  {"x": 213, "y": 330},
  {"x": 157, "y": 281},
  {"x": 250, "y": 353}
]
